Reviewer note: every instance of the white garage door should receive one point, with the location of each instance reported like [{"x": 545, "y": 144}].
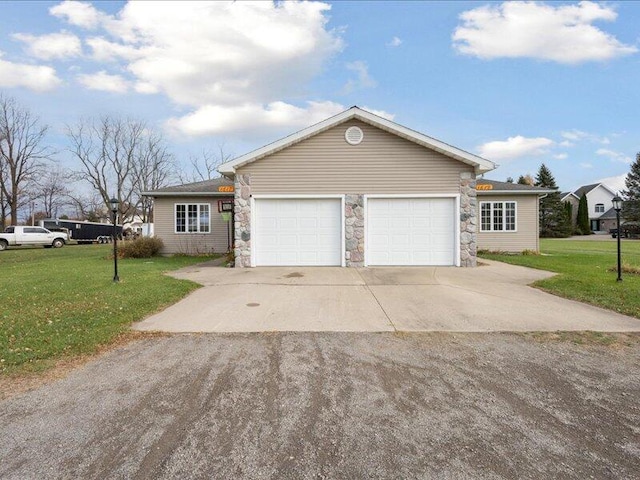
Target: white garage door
[
  {"x": 298, "y": 231},
  {"x": 411, "y": 231}
]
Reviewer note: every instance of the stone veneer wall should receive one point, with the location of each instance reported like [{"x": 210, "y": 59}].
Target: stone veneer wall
[
  {"x": 242, "y": 220},
  {"x": 354, "y": 230},
  {"x": 468, "y": 220}
]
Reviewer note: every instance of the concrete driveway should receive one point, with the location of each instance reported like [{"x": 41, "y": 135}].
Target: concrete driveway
[{"x": 492, "y": 297}]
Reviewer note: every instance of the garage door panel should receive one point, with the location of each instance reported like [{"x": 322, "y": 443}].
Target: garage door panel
[
  {"x": 298, "y": 232},
  {"x": 411, "y": 231}
]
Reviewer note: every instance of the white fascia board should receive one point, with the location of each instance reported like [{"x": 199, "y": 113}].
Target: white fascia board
[{"x": 480, "y": 164}]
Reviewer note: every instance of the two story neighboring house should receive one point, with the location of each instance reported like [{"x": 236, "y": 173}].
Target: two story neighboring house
[{"x": 598, "y": 201}]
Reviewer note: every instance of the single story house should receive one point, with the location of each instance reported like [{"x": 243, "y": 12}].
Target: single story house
[
  {"x": 194, "y": 218},
  {"x": 509, "y": 216},
  {"x": 357, "y": 190}
]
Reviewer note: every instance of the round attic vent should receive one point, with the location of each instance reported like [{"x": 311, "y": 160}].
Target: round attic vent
[{"x": 353, "y": 135}]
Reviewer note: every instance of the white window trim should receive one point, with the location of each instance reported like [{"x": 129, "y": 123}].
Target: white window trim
[
  {"x": 599, "y": 205},
  {"x": 175, "y": 216},
  {"x": 504, "y": 216},
  {"x": 293, "y": 197},
  {"x": 456, "y": 235}
]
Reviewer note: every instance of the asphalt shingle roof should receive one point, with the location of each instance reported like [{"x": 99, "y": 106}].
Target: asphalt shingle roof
[
  {"x": 585, "y": 189},
  {"x": 508, "y": 187},
  {"x": 206, "y": 186}
]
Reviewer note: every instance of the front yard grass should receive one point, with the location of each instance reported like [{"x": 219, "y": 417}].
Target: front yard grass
[
  {"x": 585, "y": 273},
  {"x": 62, "y": 303}
]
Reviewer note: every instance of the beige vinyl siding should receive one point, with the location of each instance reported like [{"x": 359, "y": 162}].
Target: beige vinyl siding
[
  {"x": 382, "y": 163},
  {"x": 189, "y": 243},
  {"x": 526, "y": 236}
]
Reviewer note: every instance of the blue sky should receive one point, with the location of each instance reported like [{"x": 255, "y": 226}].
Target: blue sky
[{"x": 518, "y": 83}]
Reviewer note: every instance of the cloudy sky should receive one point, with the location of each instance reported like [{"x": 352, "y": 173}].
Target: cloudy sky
[{"x": 517, "y": 83}]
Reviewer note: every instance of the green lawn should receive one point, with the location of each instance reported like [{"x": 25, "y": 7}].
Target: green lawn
[
  {"x": 57, "y": 303},
  {"x": 583, "y": 267}
]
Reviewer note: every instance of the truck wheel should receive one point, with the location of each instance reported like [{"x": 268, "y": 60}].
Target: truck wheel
[
  {"x": 58, "y": 243},
  {"x": 3, "y": 245}
]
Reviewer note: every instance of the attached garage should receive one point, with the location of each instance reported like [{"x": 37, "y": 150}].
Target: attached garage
[
  {"x": 354, "y": 190},
  {"x": 411, "y": 231},
  {"x": 298, "y": 231}
]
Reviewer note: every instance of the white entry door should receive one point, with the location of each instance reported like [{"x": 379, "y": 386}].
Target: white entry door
[
  {"x": 298, "y": 231},
  {"x": 411, "y": 231}
]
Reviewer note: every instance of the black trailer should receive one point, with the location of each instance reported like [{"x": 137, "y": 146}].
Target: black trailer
[{"x": 83, "y": 232}]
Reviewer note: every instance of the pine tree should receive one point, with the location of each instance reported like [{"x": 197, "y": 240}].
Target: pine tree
[
  {"x": 584, "y": 228},
  {"x": 509, "y": 179},
  {"x": 631, "y": 205},
  {"x": 568, "y": 211},
  {"x": 553, "y": 219}
]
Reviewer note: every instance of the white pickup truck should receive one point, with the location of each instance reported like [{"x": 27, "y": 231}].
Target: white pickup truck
[{"x": 14, "y": 236}]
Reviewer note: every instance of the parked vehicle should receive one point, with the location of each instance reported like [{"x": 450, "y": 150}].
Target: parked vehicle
[
  {"x": 83, "y": 232},
  {"x": 16, "y": 236},
  {"x": 629, "y": 230}
]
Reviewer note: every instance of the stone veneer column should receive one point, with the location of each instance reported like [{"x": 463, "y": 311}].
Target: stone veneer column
[
  {"x": 354, "y": 230},
  {"x": 242, "y": 220},
  {"x": 468, "y": 220}
]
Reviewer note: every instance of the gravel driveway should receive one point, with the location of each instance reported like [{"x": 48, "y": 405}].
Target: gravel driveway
[{"x": 334, "y": 405}]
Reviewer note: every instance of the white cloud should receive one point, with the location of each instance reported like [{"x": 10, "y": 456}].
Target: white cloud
[
  {"x": 104, "y": 50},
  {"x": 34, "y": 77},
  {"x": 363, "y": 80},
  {"x": 514, "y": 147},
  {"x": 219, "y": 59},
  {"x": 562, "y": 33},
  {"x": 53, "y": 45},
  {"x": 244, "y": 119},
  {"x": 104, "y": 82},
  {"x": 586, "y": 165},
  {"x": 614, "y": 156},
  {"x": 567, "y": 143},
  {"x": 574, "y": 135},
  {"x": 80, "y": 14},
  {"x": 560, "y": 156},
  {"x": 394, "y": 42}
]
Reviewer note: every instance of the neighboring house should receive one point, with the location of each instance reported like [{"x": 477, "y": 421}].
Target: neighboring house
[
  {"x": 599, "y": 198},
  {"x": 188, "y": 218},
  {"x": 508, "y": 216}
]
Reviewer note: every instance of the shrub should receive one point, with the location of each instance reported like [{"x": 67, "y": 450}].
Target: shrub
[{"x": 141, "y": 247}]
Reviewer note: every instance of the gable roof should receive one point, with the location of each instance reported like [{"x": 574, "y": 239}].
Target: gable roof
[
  {"x": 493, "y": 187},
  {"x": 208, "y": 187},
  {"x": 588, "y": 188},
  {"x": 480, "y": 164},
  {"x": 564, "y": 195}
]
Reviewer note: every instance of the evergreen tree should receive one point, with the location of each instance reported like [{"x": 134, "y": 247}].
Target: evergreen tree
[
  {"x": 568, "y": 211},
  {"x": 631, "y": 205},
  {"x": 509, "y": 179},
  {"x": 584, "y": 228},
  {"x": 553, "y": 219}
]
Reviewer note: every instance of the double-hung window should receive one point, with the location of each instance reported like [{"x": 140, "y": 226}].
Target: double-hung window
[
  {"x": 193, "y": 218},
  {"x": 498, "y": 216},
  {"x": 599, "y": 207}
]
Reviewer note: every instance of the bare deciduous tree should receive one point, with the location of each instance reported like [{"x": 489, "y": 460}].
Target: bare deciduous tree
[
  {"x": 153, "y": 168},
  {"x": 116, "y": 154},
  {"x": 205, "y": 167},
  {"x": 22, "y": 154},
  {"x": 53, "y": 192}
]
